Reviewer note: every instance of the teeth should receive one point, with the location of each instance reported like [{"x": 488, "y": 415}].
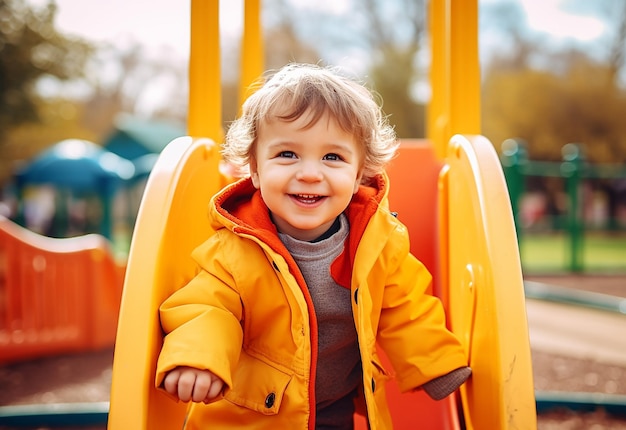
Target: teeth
[{"x": 307, "y": 196}]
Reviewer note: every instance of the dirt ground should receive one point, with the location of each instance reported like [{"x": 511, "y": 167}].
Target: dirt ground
[
  {"x": 87, "y": 377},
  {"x": 558, "y": 373}
]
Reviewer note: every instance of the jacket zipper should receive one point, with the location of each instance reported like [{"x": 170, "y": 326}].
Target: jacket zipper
[{"x": 313, "y": 367}]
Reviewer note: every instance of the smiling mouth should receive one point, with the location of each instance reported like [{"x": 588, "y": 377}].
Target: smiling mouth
[{"x": 307, "y": 198}]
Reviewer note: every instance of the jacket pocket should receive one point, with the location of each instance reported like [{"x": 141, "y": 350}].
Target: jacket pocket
[{"x": 257, "y": 385}]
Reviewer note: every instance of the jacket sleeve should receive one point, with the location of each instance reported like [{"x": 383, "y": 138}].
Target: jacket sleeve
[
  {"x": 412, "y": 328},
  {"x": 201, "y": 321}
]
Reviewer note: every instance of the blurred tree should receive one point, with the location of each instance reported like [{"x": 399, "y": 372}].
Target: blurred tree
[
  {"x": 379, "y": 41},
  {"x": 283, "y": 44},
  {"x": 614, "y": 13},
  {"x": 515, "y": 43},
  {"x": 116, "y": 80},
  {"x": 131, "y": 81},
  {"x": 550, "y": 108},
  {"x": 31, "y": 48},
  {"x": 288, "y": 47},
  {"x": 395, "y": 36},
  {"x": 32, "y": 56},
  {"x": 57, "y": 121},
  {"x": 550, "y": 98}
]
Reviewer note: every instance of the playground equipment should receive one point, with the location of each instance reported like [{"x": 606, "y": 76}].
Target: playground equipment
[
  {"x": 449, "y": 192},
  {"x": 56, "y": 295},
  {"x": 479, "y": 280},
  {"x": 76, "y": 167}
]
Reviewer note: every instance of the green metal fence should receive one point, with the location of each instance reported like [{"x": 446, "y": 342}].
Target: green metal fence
[{"x": 572, "y": 172}]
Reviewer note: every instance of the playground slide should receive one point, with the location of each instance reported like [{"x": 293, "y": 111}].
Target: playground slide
[
  {"x": 484, "y": 287},
  {"x": 450, "y": 209},
  {"x": 56, "y": 295},
  {"x": 172, "y": 220}
]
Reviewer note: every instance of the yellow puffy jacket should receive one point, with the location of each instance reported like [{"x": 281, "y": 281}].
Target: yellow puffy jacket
[{"x": 247, "y": 315}]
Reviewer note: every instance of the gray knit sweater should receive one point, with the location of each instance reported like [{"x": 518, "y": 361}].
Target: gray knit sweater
[{"x": 338, "y": 363}]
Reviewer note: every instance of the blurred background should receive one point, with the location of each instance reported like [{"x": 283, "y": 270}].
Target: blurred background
[{"x": 553, "y": 81}]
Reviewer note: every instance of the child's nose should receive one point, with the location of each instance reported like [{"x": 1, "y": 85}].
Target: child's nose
[{"x": 309, "y": 171}]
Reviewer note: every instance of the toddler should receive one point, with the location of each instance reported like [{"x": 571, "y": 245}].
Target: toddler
[{"x": 307, "y": 272}]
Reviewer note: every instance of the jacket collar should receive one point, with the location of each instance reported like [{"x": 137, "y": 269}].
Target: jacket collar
[{"x": 241, "y": 208}]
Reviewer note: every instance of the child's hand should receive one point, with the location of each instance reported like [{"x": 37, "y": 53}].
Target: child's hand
[{"x": 191, "y": 384}]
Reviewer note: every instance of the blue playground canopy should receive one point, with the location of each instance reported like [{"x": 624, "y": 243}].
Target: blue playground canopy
[{"x": 80, "y": 167}]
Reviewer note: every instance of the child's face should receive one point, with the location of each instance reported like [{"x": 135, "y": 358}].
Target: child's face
[{"x": 307, "y": 176}]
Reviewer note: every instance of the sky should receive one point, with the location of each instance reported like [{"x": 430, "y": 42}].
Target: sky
[
  {"x": 547, "y": 16},
  {"x": 165, "y": 23},
  {"x": 560, "y": 20}
]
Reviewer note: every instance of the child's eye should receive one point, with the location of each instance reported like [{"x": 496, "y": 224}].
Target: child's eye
[
  {"x": 333, "y": 157},
  {"x": 286, "y": 154}
]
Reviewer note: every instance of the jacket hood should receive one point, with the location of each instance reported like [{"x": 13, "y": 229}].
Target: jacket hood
[{"x": 240, "y": 208}]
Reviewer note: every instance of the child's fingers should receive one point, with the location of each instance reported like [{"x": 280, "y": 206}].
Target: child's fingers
[
  {"x": 201, "y": 386},
  {"x": 186, "y": 384},
  {"x": 216, "y": 388},
  {"x": 170, "y": 383}
]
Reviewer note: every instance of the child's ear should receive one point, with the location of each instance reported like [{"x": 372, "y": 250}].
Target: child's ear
[{"x": 254, "y": 174}]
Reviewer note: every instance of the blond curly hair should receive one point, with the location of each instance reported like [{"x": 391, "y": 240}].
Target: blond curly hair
[{"x": 298, "y": 88}]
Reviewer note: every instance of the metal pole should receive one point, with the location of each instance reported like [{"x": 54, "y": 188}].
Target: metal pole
[
  {"x": 437, "y": 127},
  {"x": 252, "y": 50},
  {"x": 464, "y": 67},
  {"x": 204, "y": 118},
  {"x": 572, "y": 171},
  {"x": 455, "y": 72}
]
